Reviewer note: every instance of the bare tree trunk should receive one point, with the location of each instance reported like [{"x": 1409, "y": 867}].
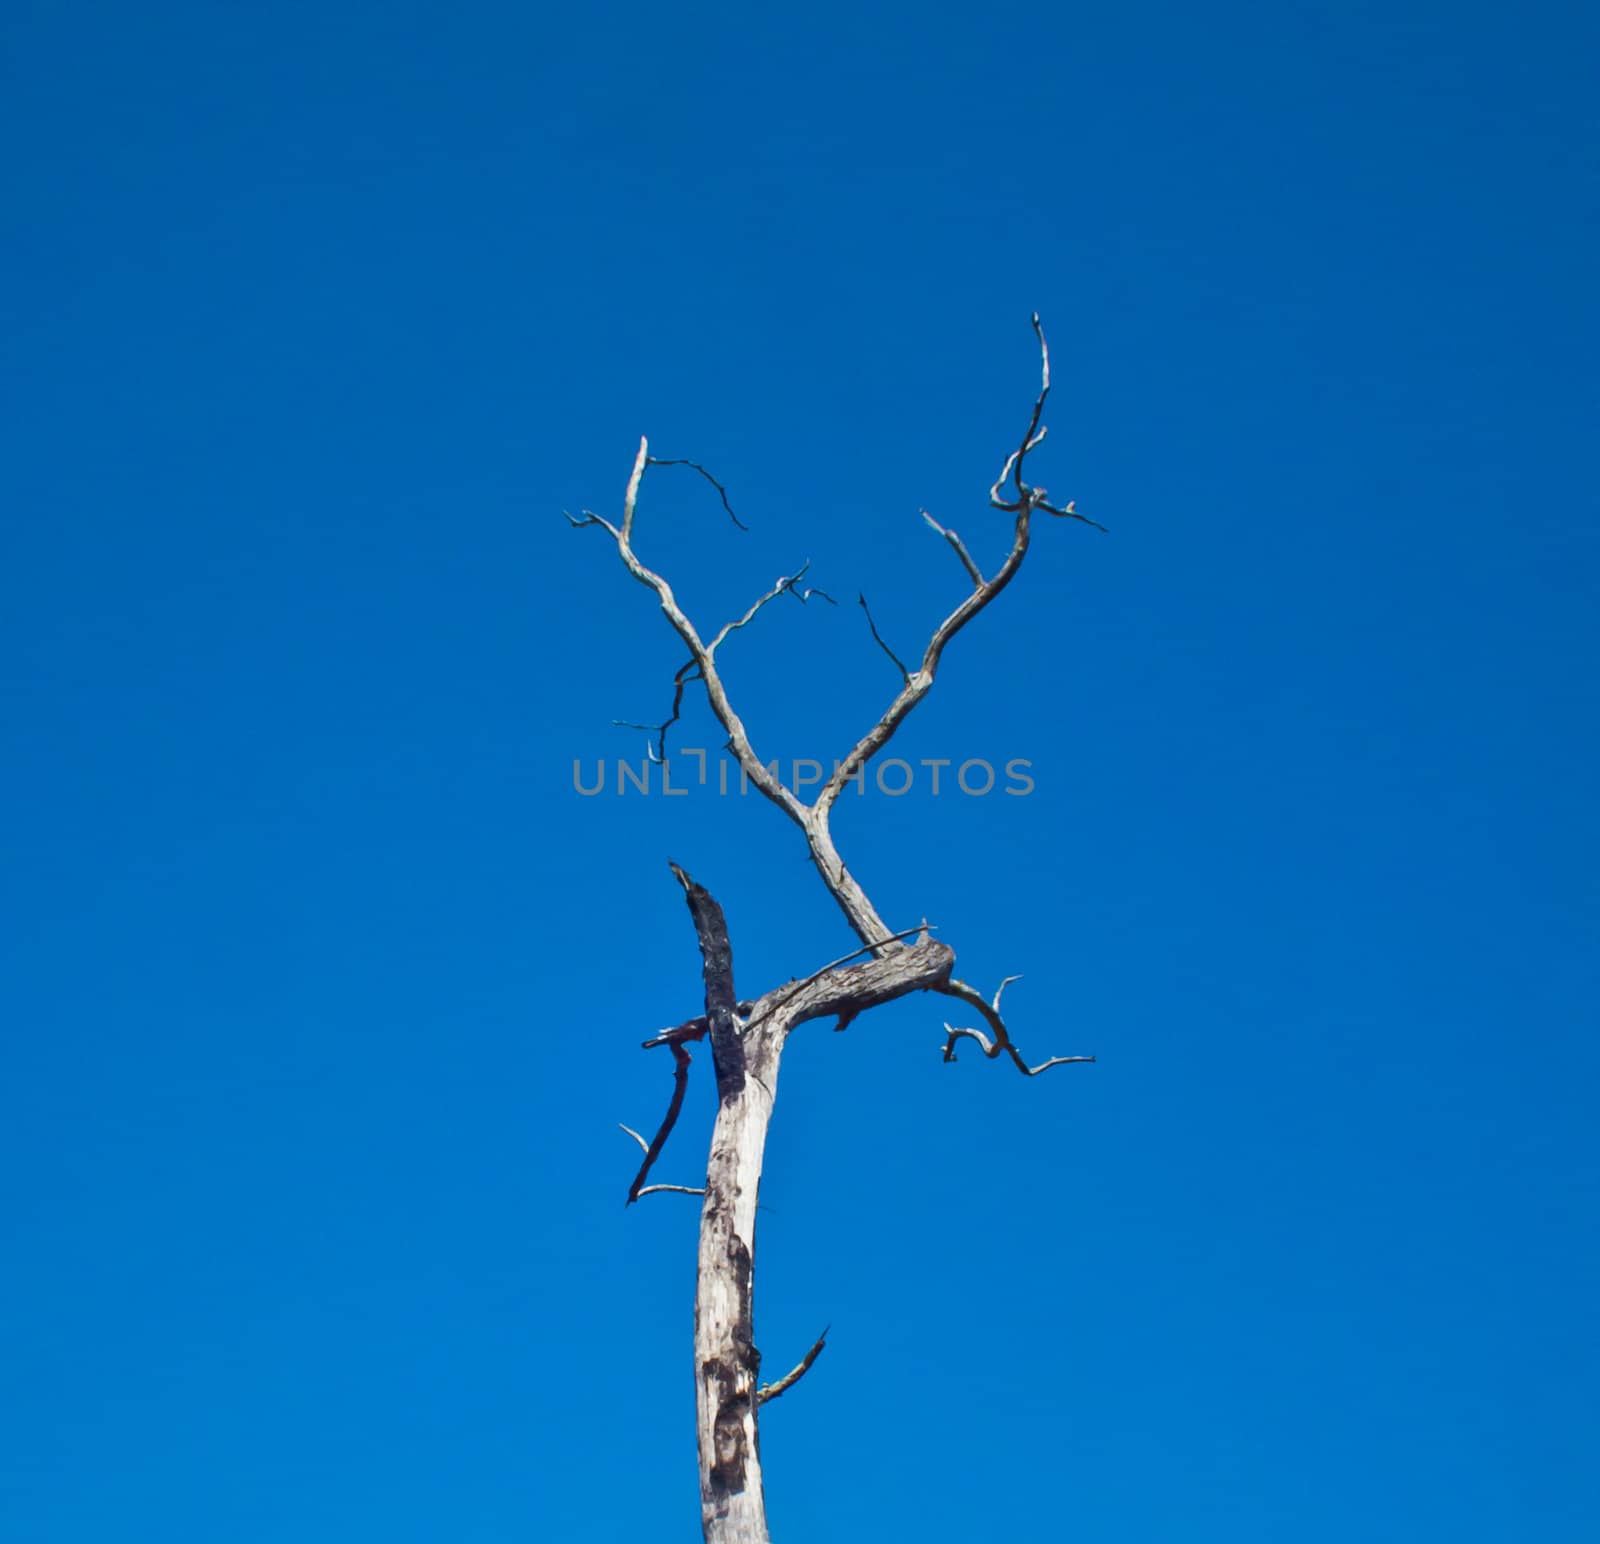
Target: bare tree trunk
[
  {"x": 726, "y": 1362},
  {"x": 746, "y": 1054},
  {"x": 747, "y": 1040}
]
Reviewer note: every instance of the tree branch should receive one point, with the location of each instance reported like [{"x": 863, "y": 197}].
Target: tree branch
[
  {"x": 960, "y": 549},
  {"x": 905, "y": 675},
  {"x": 727, "y": 1050},
  {"x": 686, "y": 673},
  {"x": 652, "y": 1149},
  {"x": 679, "y": 461},
  {"x": 789, "y": 1379},
  {"x": 920, "y": 682},
  {"x": 784, "y": 585},
  {"x": 990, "y": 1009},
  {"x": 814, "y": 818},
  {"x": 738, "y": 739}
]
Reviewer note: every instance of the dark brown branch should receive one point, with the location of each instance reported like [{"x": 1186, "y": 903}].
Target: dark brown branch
[
  {"x": 689, "y": 671},
  {"x": 905, "y": 675},
  {"x": 711, "y": 927},
  {"x": 652, "y": 1149},
  {"x": 679, "y": 461},
  {"x": 789, "y": 1379}
]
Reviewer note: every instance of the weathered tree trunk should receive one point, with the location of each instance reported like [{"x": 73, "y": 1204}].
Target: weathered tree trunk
[{"x": 726, "y": 1363}]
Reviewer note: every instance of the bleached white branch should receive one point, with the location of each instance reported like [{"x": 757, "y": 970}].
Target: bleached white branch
[
  {"x": 1020, "y": 501},
  {"x": 960, "y": 549},
  {"x": 1001, "y": 1041}
]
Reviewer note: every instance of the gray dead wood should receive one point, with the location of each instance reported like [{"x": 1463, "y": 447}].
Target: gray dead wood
[{"x": 748, "y": 1036}]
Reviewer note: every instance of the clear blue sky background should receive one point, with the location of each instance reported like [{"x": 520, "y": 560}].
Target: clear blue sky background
[{"x": 323, "y": 989}]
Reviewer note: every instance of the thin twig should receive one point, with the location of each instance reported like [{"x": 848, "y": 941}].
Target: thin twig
[
  {"x": 680, "y": 461},
  {"x": 991, "y": 1050},
  {"x": 905, "y": 675},
  {"x": 922, "y": 930},
  {"x": 784, "y": 583},
  {"x": 1069, "y": 511},
  {"x": 687, "y": 672},
  {"x": 652, "y": 1149}
]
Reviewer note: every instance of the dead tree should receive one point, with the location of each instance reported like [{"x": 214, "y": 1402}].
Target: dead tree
[{"x": 747, "y": 1035}]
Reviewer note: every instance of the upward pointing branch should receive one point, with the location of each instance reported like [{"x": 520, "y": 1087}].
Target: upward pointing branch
[
  {"x": 1020, "y": 500},
  {"x": 727, "y": 1049}
]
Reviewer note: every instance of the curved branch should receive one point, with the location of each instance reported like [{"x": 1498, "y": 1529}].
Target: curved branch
[
  {"x": 686, "y": 673},
  {"x": 920, "y": 682},
  {"x": 785, "y": 585},
  {"x": 652, "y": 1148},
  {"x": 990, "y": 1009},
  {"x": 680, "y": 461},
  {"x": 789, "y": 1379}
]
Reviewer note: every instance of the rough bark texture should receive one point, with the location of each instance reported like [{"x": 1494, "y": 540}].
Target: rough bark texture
[
  {"x": 727, "y": 1363},
  {"x": 721, "y": 1001}
]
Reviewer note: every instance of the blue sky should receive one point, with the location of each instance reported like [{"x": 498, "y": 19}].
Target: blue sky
[{"x": 324, "y": 988}]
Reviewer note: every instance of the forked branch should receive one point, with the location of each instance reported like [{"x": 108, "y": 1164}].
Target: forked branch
[
  {"x": 1011, "y": 493},
  {"x": 990, "y": 1009}
]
